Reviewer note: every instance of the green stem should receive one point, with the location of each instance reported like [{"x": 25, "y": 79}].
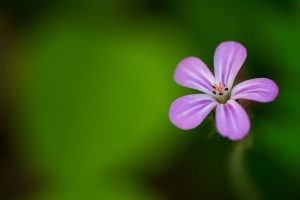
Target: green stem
[{"x": 242, "y": 184}]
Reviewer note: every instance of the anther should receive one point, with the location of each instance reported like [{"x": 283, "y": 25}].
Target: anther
[{"x": 219, "y": 88}]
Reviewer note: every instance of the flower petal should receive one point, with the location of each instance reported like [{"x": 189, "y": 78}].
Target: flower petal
[
  {"x": 228, "y": 59},
  {"x": 189, "y": 111},
  {"x": 258, "y": 89},
  {"x": 193, "y": 73},
  {"x": 232, "y": 120}
]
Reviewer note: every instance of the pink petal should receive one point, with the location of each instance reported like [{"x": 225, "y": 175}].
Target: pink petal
[
  {"x": 193, "y": 73},
  {"x": 258, "y": 89},
  {"x": 228, "y": 59},
  {"x": 189, "y": 111},
  {"x": 232, "y": 120}
]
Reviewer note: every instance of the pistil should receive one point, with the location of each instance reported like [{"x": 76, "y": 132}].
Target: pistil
[{"x": 221, "y": 91}]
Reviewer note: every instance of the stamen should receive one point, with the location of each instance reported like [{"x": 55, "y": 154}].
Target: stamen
[{"x": 219, "y": 88}]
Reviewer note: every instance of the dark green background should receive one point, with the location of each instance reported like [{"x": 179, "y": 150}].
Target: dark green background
[{"x": 85, "y": 89}]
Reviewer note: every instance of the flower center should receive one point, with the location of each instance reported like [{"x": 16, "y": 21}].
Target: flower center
[{"x": 221, "y": 92}]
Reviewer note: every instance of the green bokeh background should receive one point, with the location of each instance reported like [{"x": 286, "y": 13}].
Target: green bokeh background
[{"x": 85, "y": 89}]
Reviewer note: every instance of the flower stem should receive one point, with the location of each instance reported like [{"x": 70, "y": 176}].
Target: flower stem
[{"x": 242, "y": 184}]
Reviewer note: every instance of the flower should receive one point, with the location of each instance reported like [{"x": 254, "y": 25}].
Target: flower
[{"x": 232, "y": 121}]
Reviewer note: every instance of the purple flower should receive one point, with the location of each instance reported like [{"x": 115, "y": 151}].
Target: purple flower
[{"x": 232, "y": 121}]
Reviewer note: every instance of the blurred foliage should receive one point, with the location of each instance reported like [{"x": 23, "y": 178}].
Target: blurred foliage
[{"x": 87, "y": 86}]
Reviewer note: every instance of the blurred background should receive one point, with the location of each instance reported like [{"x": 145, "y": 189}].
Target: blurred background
[{"x": 85, "y": 90}]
